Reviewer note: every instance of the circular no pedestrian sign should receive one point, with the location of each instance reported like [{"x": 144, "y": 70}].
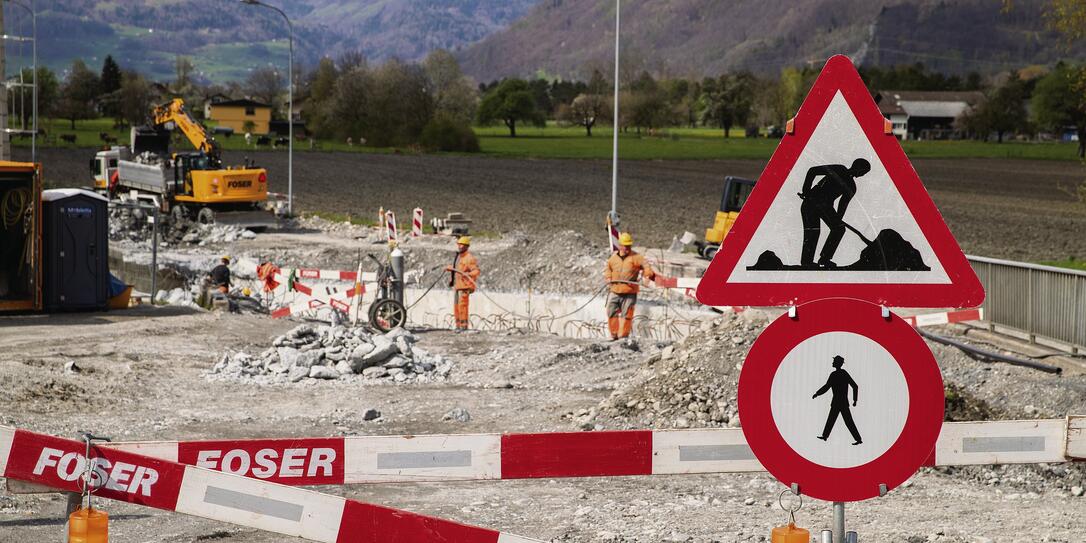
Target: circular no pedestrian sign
[{"x": 841, "y": 400}]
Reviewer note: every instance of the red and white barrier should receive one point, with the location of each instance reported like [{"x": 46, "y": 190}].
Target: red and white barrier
[
  {"x": 394, "y": 459},
  {"x": 326, "y": 275},
  {"x": 325, "y": 297},
  {"x": 390, "y": 226},
  {"x": 416, "y": 223},
  {"x": 947, "y": 317},
  {"x": 677, "y": 282},
  {"x": 118, "y": 474}
]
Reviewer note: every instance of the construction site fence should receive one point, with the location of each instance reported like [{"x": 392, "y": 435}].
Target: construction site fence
[{"x": 1035, "y": 300}]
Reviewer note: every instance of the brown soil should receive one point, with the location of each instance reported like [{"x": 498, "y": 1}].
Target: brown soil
[{"x": 1002, "y": 208}]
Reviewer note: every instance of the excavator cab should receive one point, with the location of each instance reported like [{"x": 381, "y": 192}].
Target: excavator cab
[{"x": 736, "y": 191}]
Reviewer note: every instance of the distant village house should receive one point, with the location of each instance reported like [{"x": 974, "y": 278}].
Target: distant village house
[
  {"x": 926, "y": 115},
  {"x": 237, "y": 113}
]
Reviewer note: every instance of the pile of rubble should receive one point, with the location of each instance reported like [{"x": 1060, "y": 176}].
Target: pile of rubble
[
  {"x": 336, "y": 352},
  {"x": 692, "y": 383},
  {"x": 130, "y": 224}
]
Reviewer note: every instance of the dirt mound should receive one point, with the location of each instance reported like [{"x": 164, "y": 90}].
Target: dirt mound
[
  {"x": 889, "y": 252},
  {"x": 691, "y": 383}
]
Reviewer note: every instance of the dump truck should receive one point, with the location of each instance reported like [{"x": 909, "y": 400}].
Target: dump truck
[
  {"x": 20, "y": 237},
  {"x": 190, "y": 185},
  {"x": 736, "y": 191}
]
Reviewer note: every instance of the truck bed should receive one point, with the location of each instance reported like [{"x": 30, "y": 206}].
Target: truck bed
[{"x": 145, "y": 177}]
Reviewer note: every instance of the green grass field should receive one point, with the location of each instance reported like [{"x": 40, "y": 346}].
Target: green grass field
[
  {"x": 570, "y": 142},
  {"x": 1070, "y": 263},
  {"x": 705, "y": 143}
]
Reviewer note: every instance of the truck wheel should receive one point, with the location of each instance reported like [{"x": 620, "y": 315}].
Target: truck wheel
[
  {"x": 178, "y": 214},
  {"x": 205, "y": 216},
  {"x": 710, "y": 252}
]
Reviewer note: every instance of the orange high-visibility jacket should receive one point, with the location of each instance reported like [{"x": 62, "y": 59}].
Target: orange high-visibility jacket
[
  {"x": 466, "y": 264},
  {"x": 627, "y": 269}
]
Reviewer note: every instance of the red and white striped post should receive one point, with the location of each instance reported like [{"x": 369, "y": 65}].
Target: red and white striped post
[
  {"x": 416, "y": 223},
  {"x": 390, "y": 226},
  {"x": 381, "y": 221}
]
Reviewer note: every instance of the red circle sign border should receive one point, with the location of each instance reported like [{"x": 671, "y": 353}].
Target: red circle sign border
[{"x": 922, "y": 375}]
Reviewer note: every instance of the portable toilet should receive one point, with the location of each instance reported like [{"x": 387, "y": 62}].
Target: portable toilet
[{"x": 75, "y": 259}]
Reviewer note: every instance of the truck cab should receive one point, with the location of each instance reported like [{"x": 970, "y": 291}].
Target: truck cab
[{"x": 102, "y": 167}]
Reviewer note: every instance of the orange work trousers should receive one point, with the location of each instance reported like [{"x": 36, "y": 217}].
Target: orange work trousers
[
  {"x": 460, "y": 308},
  {"x": 620, "y": 314}
]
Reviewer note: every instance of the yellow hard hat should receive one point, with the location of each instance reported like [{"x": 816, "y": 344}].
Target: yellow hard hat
[
  {"x": 464, "y": 240},
  {"x": 226, "y": 258},
  {"x": 246, "y": 292},
  {"x": 625, "y": 239}
]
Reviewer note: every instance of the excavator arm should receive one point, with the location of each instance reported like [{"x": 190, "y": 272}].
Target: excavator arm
[{"x": 174, "y": 111}]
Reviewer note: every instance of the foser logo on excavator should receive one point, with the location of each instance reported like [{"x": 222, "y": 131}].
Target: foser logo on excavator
[
  {"x": 239, "y": 183},
  {"x": 310, "y": 461}
]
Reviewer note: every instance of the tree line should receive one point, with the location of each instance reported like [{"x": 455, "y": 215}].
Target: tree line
[
  {"x": 1022, "y": 102},
  {"x": 433, "y": 104}
]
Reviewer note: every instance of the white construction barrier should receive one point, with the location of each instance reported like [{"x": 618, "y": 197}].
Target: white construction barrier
[
  {"x": 415, "y": 458},
  {"x": 118, "y": 474}
]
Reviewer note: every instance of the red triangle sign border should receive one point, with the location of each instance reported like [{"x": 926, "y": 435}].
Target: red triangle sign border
[{"x": 839, "y": 75}]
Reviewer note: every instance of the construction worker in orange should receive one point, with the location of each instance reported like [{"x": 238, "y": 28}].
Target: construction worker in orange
[
  {"x": 624, "y": 270},
  {"x": 465, "y": 271}
]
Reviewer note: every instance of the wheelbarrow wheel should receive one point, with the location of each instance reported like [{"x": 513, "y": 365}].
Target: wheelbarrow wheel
[{"x": 386, "y": 314}]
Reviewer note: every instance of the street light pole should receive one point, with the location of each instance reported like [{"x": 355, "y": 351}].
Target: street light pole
[{"x": 290, "y": 104}]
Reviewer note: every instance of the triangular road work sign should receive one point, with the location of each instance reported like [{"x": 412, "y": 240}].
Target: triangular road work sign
[{"x": 840, "y": 212}]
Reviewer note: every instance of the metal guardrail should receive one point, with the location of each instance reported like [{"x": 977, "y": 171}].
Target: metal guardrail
[{"x": 1038, "y": 300}]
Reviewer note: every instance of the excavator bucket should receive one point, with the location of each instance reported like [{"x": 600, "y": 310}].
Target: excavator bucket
[{"x": 148, "y": 138}]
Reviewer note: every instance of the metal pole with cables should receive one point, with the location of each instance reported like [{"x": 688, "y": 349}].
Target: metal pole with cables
[{"x": 614, "y": 152}]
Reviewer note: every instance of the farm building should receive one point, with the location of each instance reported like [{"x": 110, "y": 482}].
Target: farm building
[
  {"x": 236, "y": 113},
  {"x": 926, "y": 115}
]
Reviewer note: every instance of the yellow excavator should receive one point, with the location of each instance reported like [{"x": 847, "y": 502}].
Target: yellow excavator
[
  {"x": 736, "y": 191},
  {"x": 190, "y": 185}
]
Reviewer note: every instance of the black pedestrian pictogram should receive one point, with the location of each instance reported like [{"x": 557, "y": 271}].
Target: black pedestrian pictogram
[
  {"x": 826, "y": 202},
  {"x": 839, "y": 383}
]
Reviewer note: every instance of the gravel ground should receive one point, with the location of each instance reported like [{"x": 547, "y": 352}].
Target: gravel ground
[
  {"x": 1002, "y": 208},
  {"x": 157, "y": 390}
]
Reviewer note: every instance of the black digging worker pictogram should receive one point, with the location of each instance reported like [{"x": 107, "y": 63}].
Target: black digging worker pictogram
[
  {"x": 838, "y": 184},
  {"x": 839, "y": 383}
]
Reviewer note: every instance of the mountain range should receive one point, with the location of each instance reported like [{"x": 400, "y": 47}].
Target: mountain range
[
  {"x": 226, "y": 39},
  {"x": 569, "y": 38}
]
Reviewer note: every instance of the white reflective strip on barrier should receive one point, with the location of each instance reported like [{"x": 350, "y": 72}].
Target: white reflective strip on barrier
[
  {"x": 166, "y": 450},
  {"x": 687, "y": 282},
  {"x": 932, "y": 319},
  {"x": 375, "y": 459},
  {"x": 1076, "y": 437},
  {"x": 510, "y": 538},
  {"x": 257, "y": 504},
  {"x": 1001, "y": 442},
  {"x": 7, "y": 435},
  {"x": 721, "y": 450}
]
